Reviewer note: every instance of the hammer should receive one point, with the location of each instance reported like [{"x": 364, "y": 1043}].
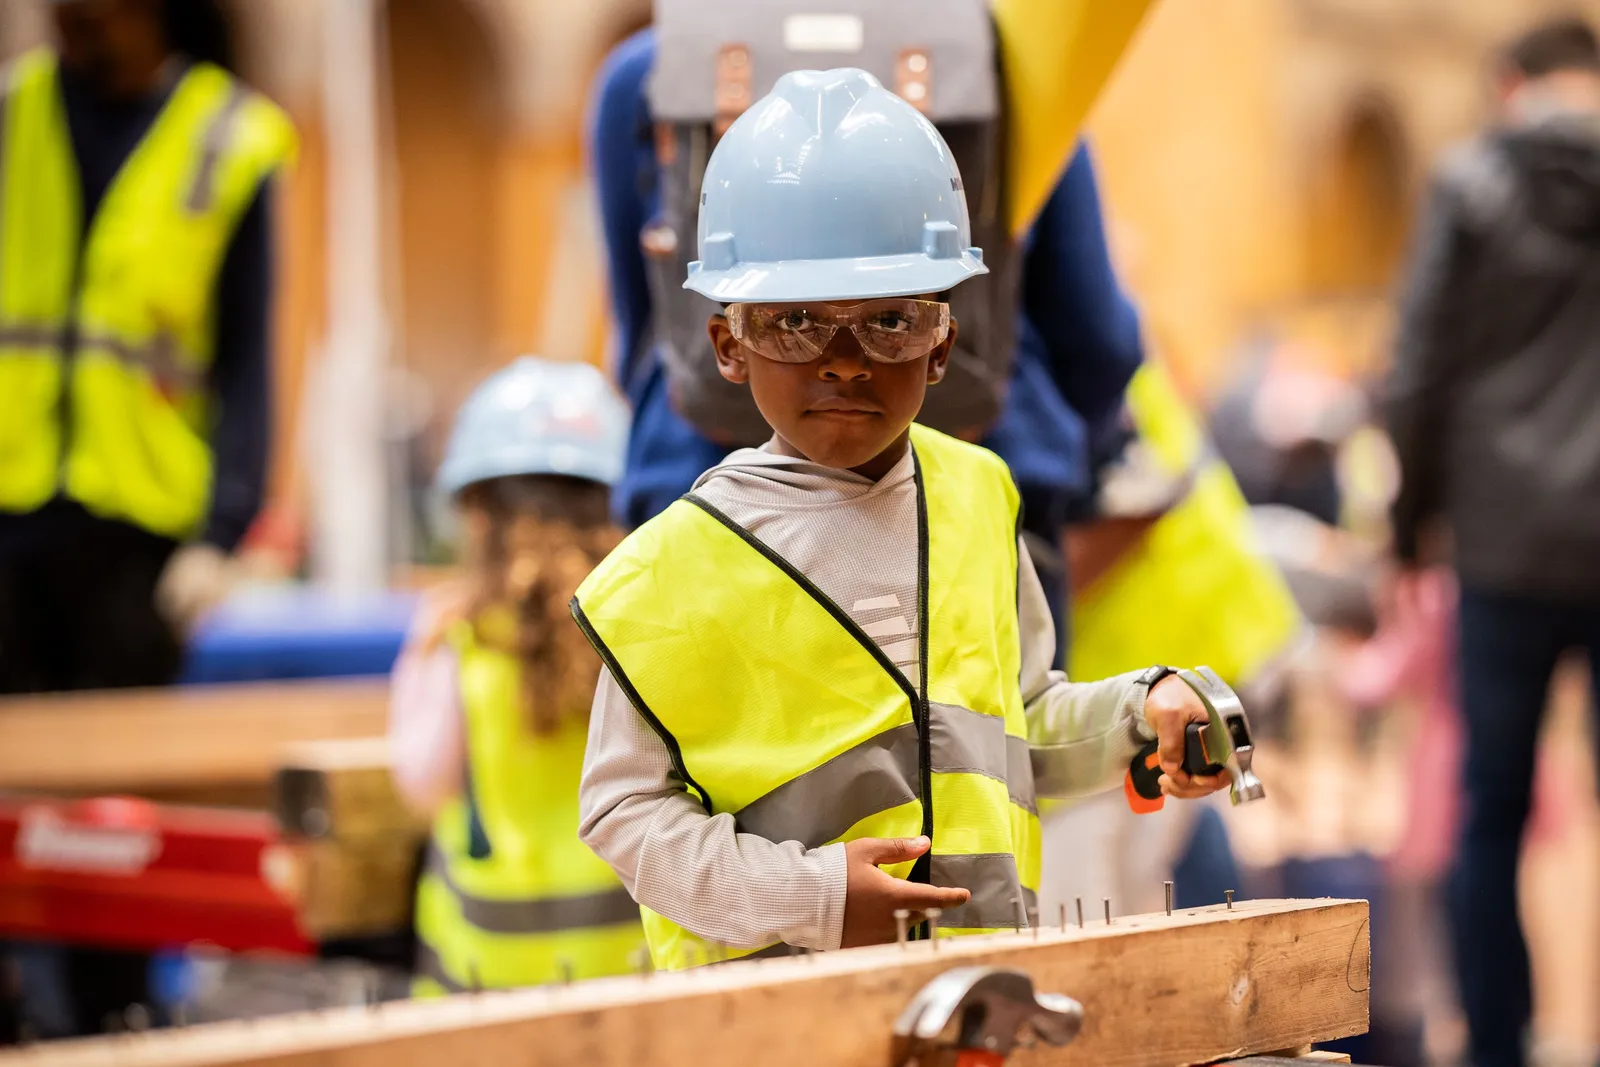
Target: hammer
[{"x": 1222, "y": 743}]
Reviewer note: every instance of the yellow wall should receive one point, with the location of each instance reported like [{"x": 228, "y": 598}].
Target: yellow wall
[{"x": 1185, "y": 138}]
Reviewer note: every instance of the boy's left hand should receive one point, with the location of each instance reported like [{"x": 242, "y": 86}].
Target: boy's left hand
[{"x": 1169, "y": 709}]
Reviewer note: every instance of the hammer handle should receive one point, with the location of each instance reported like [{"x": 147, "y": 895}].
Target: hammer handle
[{"x": 1142, "y": 786}]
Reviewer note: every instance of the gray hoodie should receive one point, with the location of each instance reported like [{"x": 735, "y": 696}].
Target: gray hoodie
[
  {"x": 856, "y": 540},
  {"x": 1494, "y": 401}
]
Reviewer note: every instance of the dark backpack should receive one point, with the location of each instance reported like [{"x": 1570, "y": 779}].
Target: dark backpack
[{"x": 714, "y": 59}]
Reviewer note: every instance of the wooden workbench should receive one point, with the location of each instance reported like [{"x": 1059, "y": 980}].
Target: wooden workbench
[
  {"x": 181, "y": 740},
  {"x": 1198, "y": 986}
]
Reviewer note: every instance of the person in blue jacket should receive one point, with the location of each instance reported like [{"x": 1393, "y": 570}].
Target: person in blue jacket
[{"x": 1078, "y": 340}]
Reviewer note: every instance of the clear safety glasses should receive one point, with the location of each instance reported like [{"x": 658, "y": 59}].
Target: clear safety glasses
[{"x": 894, "y": 330}]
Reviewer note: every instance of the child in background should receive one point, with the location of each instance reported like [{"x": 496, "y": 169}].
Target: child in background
[
  {"x": 490, "y": 704},
  {"x": 828, "y": 695}
]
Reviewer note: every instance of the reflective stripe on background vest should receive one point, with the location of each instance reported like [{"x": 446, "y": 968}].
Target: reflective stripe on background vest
[
  {"x": 540, "y": 902},
  {"x": 778, "y": 710},
  {"x": 141, "y": 288}
]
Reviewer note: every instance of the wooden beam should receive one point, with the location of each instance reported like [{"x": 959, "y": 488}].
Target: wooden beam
[
  {"x": 147, "y": 740},
  {"x": 1158, "y": 991},
  {"x": 356, "y": 840},
  {"x": 342, "y": 789},
  {"x": 1284, "y": 1061},
  {"x": 355, "y": 888}
]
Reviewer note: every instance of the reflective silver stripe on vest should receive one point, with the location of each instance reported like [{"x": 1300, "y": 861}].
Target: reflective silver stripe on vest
[
  {"x": 537, "y": 916},
  {"x": 998, "y": 896},
  {"x": 159, "y": 358},
  {"x": 820, "y": 805},
  {"x": 8, "y": 89},
  {"x": 881, "y": 773},
  {"x": 967, "y": 742},
  {"x": 217, "y": 136},
  {"x": 429, "y": 965}
]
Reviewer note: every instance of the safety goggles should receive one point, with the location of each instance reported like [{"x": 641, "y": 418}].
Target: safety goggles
[{"x": 895, "y": 330}]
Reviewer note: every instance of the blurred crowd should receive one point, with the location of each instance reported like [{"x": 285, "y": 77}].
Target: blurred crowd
[{"x": 1391, "y": 571}]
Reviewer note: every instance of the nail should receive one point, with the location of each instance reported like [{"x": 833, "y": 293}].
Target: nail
[
  {"x": 1169, "y": 897},
  {"x": 474, "y": 983},
  {"x": 794, "y": 950},
  {"x": 1080, "y": 913},
  {"x": 933, "y": 926},
  {"x": 566, "y": 970},
  {"x": 1108, "y": 911},
  {"x": 641, "y": 962},
  {"x": 1063, "y": 918},
  {"x": 1229, "y": 895},
  {"x": 1033, "y": 922},
  {"x": 137, "y": 1017},
  {"x": 902, "y": 918}
]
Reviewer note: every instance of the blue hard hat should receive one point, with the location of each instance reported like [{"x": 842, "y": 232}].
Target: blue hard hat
[
  {"x": 538, "y": 416},
  {"x": 831, "y": 188}
]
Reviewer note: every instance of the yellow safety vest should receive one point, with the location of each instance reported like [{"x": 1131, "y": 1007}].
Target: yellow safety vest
[
  {"x": 1194, "y": 589},
  {"x": 780, "y": 711},
  {"x": 121, "y": 426},
  {"x": 537, "y": 905}
]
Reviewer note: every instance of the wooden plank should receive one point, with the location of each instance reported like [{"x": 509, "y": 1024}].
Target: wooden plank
[
  {"x": 356, "y": 842},
  {"x": 181, "y": 738},
  {"x": 355, "y": 887},
  {"x": 343, "y": 789},
  {"x": 1158, "y": 991}
]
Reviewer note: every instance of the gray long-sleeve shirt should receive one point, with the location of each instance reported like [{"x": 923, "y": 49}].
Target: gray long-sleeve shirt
[{"x": 854, "y": 538}]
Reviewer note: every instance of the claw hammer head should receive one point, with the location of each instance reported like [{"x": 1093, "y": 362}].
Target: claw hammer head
[
  {"x": 1227, "y": 735},
  {"x": 980, "y": 1010}
]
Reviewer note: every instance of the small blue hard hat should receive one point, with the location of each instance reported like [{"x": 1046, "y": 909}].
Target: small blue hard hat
[
  {"x": 831, "y": 188},
  {"x": 537, "y": 416}
]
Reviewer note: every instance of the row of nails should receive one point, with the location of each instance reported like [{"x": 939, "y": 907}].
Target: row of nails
[{"x": 137, "y": 1017}]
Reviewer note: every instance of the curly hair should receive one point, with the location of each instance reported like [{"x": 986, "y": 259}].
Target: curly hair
[{"x": 529, "y": 541}]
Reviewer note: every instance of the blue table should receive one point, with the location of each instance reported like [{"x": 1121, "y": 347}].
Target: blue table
[{"x": 298, "y": 631}]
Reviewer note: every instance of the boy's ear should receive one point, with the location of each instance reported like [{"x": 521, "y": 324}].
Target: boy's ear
[
  {"x": 730, "y": 353},
  {"x": 939, "y": 358}
]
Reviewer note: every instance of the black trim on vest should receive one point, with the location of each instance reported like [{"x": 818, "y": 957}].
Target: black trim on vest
[
  {"x": 921, "y": 871},
  {"x": 674, "y": 750},
  {"x": 826, "y": 602}
]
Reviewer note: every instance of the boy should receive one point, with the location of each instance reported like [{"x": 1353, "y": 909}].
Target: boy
[{"x": 827, "y": 693}]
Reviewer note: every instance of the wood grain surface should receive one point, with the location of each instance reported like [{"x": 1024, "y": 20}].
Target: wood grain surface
[
  {"x": 180, "y": 738},
  {"x": 1158, "y": 991}
]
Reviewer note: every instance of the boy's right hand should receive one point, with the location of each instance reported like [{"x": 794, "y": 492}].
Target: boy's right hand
[{"x": 872, "y": 896}]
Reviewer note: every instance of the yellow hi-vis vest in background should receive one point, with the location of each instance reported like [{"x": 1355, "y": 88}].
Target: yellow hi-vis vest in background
[
  {"x": 778, "y": 710},
  {"x": 539, "y": 901},
  {"x": 1194, "y": 589},
  {"x": 121, "y": 423}
]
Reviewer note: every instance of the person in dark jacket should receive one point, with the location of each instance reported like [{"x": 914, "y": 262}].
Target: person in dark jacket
[{"x": 1492, "y": 407}]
